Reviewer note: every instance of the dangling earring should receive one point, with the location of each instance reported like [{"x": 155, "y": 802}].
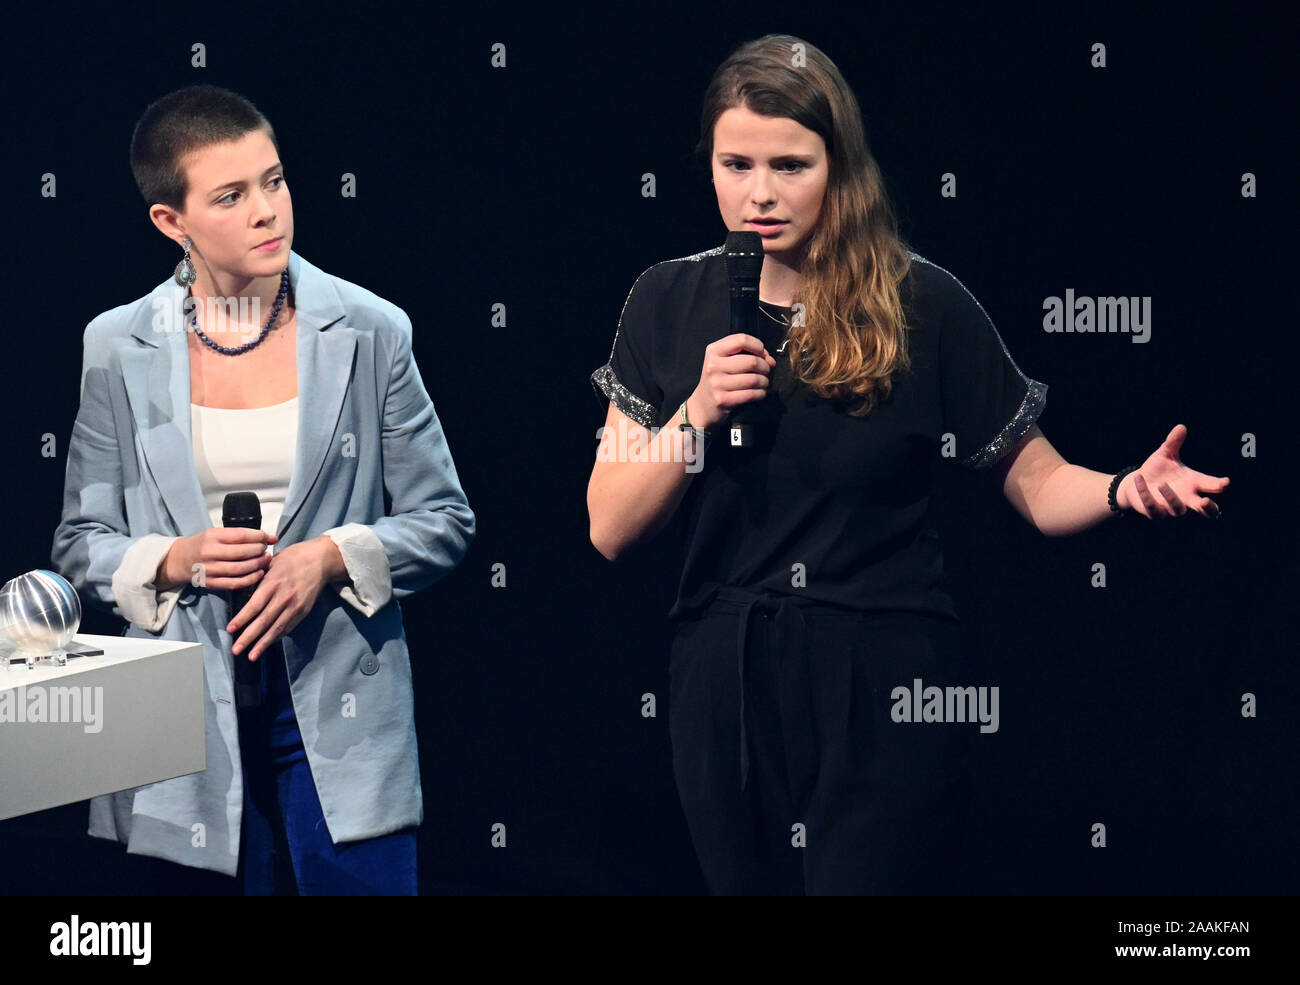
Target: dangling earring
[{"x": 184, "y": 275}]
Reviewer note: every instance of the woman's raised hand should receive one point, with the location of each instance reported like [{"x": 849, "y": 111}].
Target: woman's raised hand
[{"x": 736, "y": 371}]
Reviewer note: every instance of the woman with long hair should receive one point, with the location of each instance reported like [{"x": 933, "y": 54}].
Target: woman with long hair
[
  {"x": 250, "y": 370},
  {"x": 811, "y": 600}
]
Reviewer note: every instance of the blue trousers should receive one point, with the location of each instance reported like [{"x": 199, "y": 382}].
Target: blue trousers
[{"x": 285, "y": 847}]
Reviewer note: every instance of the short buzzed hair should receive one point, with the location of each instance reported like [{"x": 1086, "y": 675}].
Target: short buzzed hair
[{"x": 180, "y": 123}]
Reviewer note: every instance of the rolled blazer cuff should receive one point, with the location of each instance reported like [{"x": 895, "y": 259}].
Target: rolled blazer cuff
[
  {"x": 133, "y": 583},
  {"x": 364, "y": 556}
]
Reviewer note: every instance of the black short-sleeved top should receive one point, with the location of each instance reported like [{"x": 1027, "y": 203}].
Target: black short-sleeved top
[{"x": 844, "y": 497}]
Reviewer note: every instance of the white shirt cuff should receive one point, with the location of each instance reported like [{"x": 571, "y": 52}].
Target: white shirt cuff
[
  {"x": 133, "y": 583},
  {"x": 367, "y": 564}
]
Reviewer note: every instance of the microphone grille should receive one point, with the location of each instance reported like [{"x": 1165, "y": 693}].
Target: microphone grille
[
  {"x": 241, "y": 509},
  {"x": 744, "y": 252}
]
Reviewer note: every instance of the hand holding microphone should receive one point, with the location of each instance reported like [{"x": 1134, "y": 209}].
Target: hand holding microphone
[
  {"x": 269, "y": 594},
  {"x": 232, "y": 558},
  {"x": 736, "y": 371},
  {"x": 229, "y": 557}
]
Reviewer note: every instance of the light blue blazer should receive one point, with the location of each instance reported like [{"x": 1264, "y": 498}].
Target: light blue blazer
[{"x": 365, "y": 424}]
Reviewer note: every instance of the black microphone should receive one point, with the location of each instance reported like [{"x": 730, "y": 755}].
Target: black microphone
[
  {"x": 744, "y": 253},
  {"x": 244, "y": 509}
]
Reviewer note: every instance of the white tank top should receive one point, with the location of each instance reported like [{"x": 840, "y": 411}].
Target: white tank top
[{"x": 247, "y": 449}]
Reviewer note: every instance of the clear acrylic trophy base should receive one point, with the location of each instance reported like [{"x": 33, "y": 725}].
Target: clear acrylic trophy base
[{"x": 30, "y": 661}]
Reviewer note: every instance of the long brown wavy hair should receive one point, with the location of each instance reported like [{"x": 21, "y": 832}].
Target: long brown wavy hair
[{"x": 853, "y": 335}]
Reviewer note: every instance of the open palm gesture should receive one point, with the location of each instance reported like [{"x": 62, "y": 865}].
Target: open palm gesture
[{"x": 1165, "y": 487}]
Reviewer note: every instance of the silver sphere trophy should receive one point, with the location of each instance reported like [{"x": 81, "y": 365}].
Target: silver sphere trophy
[{"x": 39, "y": 614}]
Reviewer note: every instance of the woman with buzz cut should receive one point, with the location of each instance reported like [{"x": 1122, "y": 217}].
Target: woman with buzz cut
[{"x": 250, "y": 370}]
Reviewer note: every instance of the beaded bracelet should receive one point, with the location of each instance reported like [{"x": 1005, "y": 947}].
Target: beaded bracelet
[{"x": 1114, "y": 488}]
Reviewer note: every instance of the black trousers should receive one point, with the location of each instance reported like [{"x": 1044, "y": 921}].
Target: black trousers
[{"x": 793, "y": 775}]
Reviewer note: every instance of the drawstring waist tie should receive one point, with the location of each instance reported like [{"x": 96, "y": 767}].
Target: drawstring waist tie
[{"x": 788, "y": 637}]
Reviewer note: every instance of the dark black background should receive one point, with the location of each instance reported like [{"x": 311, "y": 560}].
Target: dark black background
[{"x": 523, "y": 186}]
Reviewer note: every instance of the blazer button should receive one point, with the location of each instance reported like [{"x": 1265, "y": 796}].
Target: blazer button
[{"x": 369, "y": 664}]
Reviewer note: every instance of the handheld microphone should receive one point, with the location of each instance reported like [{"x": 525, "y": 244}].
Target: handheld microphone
[
  {"x": 744, "y": 253},
  {"x": 243, "y": 509}
]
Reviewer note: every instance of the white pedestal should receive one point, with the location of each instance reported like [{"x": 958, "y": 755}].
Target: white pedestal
[{"x": 101, "y": 724}]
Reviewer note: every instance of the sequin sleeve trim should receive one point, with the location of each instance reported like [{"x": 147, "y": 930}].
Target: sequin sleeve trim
[
  {"x": 641, "y": 411},
  {"x": 1030, "y": 408},
  {"x": 637, "y": 408}
]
